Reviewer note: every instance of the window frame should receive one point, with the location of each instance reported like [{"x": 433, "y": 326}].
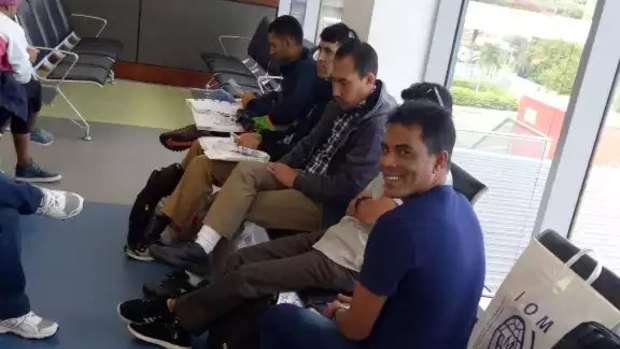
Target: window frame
[{"x": 584, "y": 117}]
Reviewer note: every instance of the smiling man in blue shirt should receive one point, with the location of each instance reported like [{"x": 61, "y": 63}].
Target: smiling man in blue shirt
[{"x": 424, "y": 264}]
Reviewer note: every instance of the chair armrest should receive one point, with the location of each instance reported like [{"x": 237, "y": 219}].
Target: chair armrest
[
  {"x": 221, "y": 39},
  {"x": 54, "y": 50},
  {"x": 104, "y": 22}
]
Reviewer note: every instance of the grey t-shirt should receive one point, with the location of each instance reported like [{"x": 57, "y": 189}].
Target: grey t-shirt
[{"x": 344, "y": 243}]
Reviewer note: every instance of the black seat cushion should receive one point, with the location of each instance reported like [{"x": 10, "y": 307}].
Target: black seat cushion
[
  {"x": 230, "y": 65},
  {"x": 81, "y": 73},
  {"x": 99, "y": 46},
  {"x": 207, "y": 56},
  {"x": 90, "y": 60}
]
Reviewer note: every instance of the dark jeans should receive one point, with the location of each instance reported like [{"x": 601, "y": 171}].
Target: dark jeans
[
  {"x": 19, "y": 125},
  {"x": 290, "y": 327},
  {"x": 286, "y": 264},
  {"x": 15, "y": 199}
]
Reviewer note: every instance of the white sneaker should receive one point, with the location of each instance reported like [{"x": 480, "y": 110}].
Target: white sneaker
[
  {"x": 29, "y": 326},
  {"x": 60, "y": 204}
]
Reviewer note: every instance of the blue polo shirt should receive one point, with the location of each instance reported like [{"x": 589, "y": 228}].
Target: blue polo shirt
[{"x": 427, "y": 258}]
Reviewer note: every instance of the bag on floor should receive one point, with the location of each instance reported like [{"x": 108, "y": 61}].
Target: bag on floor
[
  {"x": 160, "y": 184},
  {"x": 239, "y": 329},
  {"x": 541, "y": 300},
  {"x": 589, "y": 335}
]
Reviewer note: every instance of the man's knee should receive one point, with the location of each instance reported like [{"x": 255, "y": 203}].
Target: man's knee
[
  {"x": 199, "y": 165},
  {"x": 251, "y": 168}
]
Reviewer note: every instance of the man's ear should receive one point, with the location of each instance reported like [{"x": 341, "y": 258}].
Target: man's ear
[
  {"x": 371, "y": 79},
  {"x": 441, "y": 161}
]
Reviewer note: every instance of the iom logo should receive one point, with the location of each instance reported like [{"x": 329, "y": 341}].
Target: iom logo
[
  {"x": 509, "y": 335},
  {"x": 513, "y": 332}
]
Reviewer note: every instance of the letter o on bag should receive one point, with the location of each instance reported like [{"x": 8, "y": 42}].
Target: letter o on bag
[{"x": 533, "y": 307}]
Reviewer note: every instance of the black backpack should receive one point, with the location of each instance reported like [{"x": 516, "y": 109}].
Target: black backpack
[
  {"x": 160, "y": 184},
  {"x": 589, "y": 335}
]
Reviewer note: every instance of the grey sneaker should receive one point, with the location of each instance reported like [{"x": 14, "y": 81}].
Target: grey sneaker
[
  {"x": 183, "y": 255},
  {"x": 29, "y": 326},
  {"x": 35, "y": 174},
  {"x": 41, "y": 136},
  {"x": 60, "y": 204}
]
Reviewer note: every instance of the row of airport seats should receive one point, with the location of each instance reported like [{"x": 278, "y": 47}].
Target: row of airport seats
[
  {"x": 255, "y": 72},
  {"x": 67, "y": 57}
]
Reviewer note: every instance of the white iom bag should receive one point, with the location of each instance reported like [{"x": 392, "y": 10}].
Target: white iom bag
[{"x": 541, "y": 300}]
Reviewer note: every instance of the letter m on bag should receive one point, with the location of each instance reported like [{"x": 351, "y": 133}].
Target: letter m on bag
[{"x": 544, "y": 323}]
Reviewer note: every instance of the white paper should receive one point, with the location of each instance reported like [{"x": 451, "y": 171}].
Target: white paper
[
  {"x": 214, "y": 115},
  {"x": 290, "y": 298},
  {"x": 224, "y": 149}
]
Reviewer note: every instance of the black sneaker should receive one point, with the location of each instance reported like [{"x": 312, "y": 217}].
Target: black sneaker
[
  {"x": 182, "y": 138},
  {"x": 169, "y": 335},
  {"x": 144, "y": 311},
  {"x": 174, "y": 285},
  {"x": 34, "y": 173},
  {"x": 182, "y": 255}
]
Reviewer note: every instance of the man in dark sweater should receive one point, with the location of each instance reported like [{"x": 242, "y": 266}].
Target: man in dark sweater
[
  {"x": 297, "y": 95},
  {"x": 424, "y": 262}
]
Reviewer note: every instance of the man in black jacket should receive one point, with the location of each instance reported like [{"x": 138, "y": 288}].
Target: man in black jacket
[
  {"x": 310, "y": 187},
  {"x": 200, "y": 173}
]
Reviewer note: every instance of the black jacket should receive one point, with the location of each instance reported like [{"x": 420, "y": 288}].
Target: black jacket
[
  {"x": 296, "y": 97},
  {"x": 355, "y": 163},
  {"x": 13, "y": 98},
  {"x": 279, "y": 143}
]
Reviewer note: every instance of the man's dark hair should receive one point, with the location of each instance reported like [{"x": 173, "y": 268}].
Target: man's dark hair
[
  {"x": 429, "y": 91},
  {"x": 338, "y": 33},
  {"x": 287, "y": 26},
  {"x": 364, "y": 57},
  {"x": 438, "y": 132}
]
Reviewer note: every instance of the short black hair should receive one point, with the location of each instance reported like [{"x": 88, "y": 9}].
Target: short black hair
[
  {"x": 287, "y": 26},
  {"x": 438, "y": 133},
  {"x": 339, "y": 33},
  {"x": 364, "y": 57},
  {"x": 428, "y": 91}
]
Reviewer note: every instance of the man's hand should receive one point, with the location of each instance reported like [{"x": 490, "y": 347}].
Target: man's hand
[
  {"x": 33, "y": 53},
  {"x": 246, "y": 97},
  {"x": 342, "y": 302},
  {"x": 331, "y": 308},
  {"x": 250, "y": 140},
  {"x": 283, "y": 174}
]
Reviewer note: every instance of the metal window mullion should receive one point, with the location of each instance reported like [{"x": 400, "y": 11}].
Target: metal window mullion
[{"x": 585, "y": 115}]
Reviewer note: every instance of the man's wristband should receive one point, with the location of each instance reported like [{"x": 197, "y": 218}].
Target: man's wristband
[{"x": 359, "y": 200}]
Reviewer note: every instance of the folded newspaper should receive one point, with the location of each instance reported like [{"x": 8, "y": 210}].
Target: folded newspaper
[
  {"x": 215, "y": 115},
  {"x": 225, "y": 149}
]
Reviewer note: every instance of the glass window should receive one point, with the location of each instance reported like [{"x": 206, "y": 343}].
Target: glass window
[
  {"x": 512, "y": 80},
  {"x": 298, "y": 10},
  {"x": 598, "y": 217},
  {"x": 331, "y": 13}
]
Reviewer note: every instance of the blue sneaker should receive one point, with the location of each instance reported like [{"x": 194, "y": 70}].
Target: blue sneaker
[
  {"x": 41, "y": 136},
  {"x": 35, "y": 174}
]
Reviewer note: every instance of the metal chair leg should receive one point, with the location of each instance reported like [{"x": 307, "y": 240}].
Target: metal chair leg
[{"x": 80, "y": 122}]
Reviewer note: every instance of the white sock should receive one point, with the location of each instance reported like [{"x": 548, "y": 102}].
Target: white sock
[{"x": 207, "y": 238}]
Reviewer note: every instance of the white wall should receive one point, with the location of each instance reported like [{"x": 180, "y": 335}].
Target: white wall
[
  {"x": 401, "y": 31},
  {"x": 358, "y": 14}
]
